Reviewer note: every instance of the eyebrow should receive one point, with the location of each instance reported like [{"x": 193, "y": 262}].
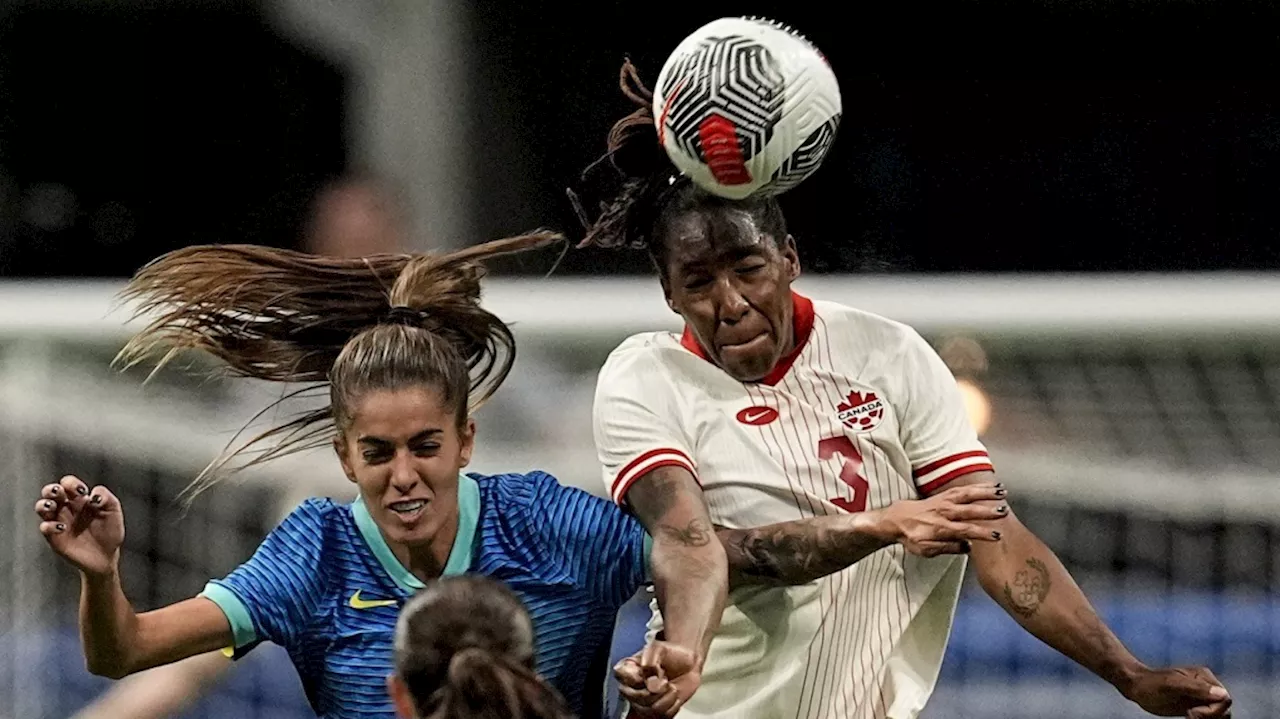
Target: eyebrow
[{"x": 380, "y": 442}]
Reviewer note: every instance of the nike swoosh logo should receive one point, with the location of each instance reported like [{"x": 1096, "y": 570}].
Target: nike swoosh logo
[
  {"x": 753, "y": 417},
  {"x": 358, "y": 603}
]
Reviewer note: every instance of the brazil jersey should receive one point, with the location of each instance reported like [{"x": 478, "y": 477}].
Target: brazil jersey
[{"x": 325, "y": 586}]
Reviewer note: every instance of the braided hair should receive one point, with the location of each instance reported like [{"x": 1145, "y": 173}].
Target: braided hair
[{"x": 640, "y": 190}]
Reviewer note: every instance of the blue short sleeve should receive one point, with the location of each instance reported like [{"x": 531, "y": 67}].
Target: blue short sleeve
[
  {"x": 602, "y": 547},
  {"x": 273, "y": 596}
]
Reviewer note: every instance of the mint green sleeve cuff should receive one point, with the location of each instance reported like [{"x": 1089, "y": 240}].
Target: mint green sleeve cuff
[
  {"x": 242, "y": 630},
  {"x": 648, "y": 551}
]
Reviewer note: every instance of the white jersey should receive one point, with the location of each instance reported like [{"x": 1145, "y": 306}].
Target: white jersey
[{"x": 862, "y": 414}]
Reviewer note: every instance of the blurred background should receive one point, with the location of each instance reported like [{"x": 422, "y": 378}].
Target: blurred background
[{"x": 1076, "y": 202}]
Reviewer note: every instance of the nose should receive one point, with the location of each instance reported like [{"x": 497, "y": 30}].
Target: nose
[
  {"x": 731, "y": 306},
  {"x": 403, "y": 476}
]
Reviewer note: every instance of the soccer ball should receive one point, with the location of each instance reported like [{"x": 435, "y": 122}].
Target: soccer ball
[{"x": 746, "y": 107}]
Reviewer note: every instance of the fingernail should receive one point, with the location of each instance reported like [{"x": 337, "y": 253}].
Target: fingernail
[
  {"x": 61, "y": 527},
  {"x": 1001, "y": 492},
  {"x": 48, "y": 504},
  {"x": 96, "y": 499},
  {"x": 1218, "y": 693},
  {"x": 54, "y": 489},
  {"x": 999, "y": 485},
  {"x": 1002, "y": 508},
  {"x": 995, "y": 535},
  {"x": 82, "y": 490}
]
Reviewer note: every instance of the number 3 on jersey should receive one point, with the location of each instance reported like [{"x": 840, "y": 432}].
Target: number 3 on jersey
[{"x": 850, "y": 471}]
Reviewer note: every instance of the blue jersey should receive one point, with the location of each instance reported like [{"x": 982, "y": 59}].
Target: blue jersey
[{"x": 325, "y": 586}]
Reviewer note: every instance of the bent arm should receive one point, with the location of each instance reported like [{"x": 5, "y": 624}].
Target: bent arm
[
  {"x": 118, "y": 641},
  {"x": 801, "y": 551},
  {"x": 689, "y": 567},
  {"x": 1026, "y": 578}
]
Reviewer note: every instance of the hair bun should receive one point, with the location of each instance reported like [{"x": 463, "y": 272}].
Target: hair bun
[{"x": 465, "y": 664}]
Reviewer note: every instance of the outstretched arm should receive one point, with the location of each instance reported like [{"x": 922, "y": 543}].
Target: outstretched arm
[
  {"x": 801, "y": 551},
  {"x": 689, "y": 567},
  {"x": 1025, "y": 578}
]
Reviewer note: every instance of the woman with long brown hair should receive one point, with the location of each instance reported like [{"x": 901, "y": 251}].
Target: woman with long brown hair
[{"x": 405, "y": 353}]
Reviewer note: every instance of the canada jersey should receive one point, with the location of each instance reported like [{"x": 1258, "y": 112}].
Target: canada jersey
[
  {"x": 863, "y": 413},
  {"x": 326, "y": 586}
]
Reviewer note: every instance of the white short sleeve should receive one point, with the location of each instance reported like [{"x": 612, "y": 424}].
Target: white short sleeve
[
  {"x": 636, "y": 419},
  {"x": 936, "y": 432}
]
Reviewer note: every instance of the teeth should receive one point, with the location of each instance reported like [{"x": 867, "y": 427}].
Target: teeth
[{"x": 411, "y": 506}]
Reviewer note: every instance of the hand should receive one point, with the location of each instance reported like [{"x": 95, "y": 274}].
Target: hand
[
  {"x": 659, "y": 680},
  {"x": 1193, "y": 692},
  {"x": 942, "y": 524},
  {"x": 84, "y": 527}
]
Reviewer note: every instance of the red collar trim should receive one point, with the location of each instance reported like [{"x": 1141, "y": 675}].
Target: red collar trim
[{"x": 801, "y": 325}]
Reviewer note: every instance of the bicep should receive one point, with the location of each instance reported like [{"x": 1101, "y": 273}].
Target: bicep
[
  {"x": 668, "y": 501},
  {"x": 191, "y": 627}
]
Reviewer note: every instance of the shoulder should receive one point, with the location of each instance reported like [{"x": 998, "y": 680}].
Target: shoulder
[
  {"x": 645, "y": 353},
  {"x": 844, "y": 319},
  {"x": 521, "y": 492},
  {"x": 534, "y": 494},
  {"x": 316, "y": 513}
]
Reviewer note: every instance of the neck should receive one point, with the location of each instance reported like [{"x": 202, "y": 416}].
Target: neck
[{"x": 427, "y": 560}]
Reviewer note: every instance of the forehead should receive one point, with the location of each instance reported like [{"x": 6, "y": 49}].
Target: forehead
[
  {"x": 706, "y": 235},
  {"x": 393, "y": 412}
]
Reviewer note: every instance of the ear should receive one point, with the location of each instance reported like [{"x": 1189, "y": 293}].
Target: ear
[
  {"x": 791, "y": 258},
  {"x": 340, "y": 448},
  {"x": 400, "y": 697},
  {"x": 467, "y": 440}
]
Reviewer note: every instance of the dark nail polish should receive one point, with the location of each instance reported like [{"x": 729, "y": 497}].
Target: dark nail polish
[
  {"x": 995, "y": 535},
  {"x": 999, "y": 485},
  {"x": 965, "y": 547},
  {"x": 54, "y": 489},
  {"x": 48, "y": 504},
  {"x": 96, "y": 499},
  {"x": 1001, "y": 492},
  {"x": 1002, "y": 508},
  {"x": 61, "y": 527},
  {"x": 82, "y": 490}
]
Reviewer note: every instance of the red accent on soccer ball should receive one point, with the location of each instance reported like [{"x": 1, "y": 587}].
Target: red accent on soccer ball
[
  {"x": 757, "y": 416},
  {"x": 724, "y": 155}
]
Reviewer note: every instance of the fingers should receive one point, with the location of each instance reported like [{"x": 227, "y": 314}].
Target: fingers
[
  {"x": 629, "y": 674},
  {"x": 102, "y": 499},
  {"x": 52, "y": 529},
  {"x": 1217, "y": 710},
  {"x": 974, "y": 512},
  {"x": 987, "y": 492}
]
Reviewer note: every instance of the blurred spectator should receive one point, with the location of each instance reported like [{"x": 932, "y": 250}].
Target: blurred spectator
[{"x": 356, "y": 216}]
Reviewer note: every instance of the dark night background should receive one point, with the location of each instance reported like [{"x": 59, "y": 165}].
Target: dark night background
[{"x": 978, "y": 136}]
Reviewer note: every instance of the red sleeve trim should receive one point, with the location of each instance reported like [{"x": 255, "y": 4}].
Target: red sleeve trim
[
  {"x": 939, "y": 464},
  {"x": 937, "y": 484},
  {"x": 645, "y": 463}
]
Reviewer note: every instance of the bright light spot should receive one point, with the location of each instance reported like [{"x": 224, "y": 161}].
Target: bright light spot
[{"x": 976, "y": 402}]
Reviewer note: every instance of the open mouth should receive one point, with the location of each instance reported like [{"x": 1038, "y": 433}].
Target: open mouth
[{"x": 409, "y": 508}]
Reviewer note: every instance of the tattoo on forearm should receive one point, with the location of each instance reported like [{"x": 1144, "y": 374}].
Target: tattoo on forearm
[
  {"x": 794, "y": 553},
  {"x": 696, "y": 533},
  {"x": 1030, "y": 587}
]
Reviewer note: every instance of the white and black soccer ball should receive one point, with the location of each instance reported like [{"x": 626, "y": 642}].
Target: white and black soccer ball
[{"x": 746, "y": 107}]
